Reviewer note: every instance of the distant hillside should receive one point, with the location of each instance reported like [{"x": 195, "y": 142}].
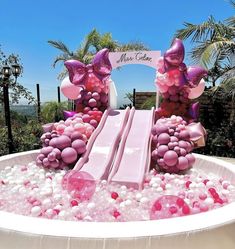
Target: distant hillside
[{"x": 28, "y": 110}]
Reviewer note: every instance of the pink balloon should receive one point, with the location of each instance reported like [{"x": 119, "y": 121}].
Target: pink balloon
[
  {"x": 69, "y": 155},
  {"x": 197, "y": 91},
  {"x": 69, "y": 90},
  {"x": 170, "y": 158},
  {"x": 163, "y": 89}
]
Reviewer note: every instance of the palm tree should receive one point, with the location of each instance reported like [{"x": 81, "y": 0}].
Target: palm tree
[
  {"x": 93, "y": 42},
  {"x": 214, "y": 46},
  {"x": 215, "y": 49}
]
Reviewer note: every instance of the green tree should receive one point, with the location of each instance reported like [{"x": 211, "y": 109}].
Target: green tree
[
  {"x": 92, "y": 43},
  {"x": 53, "y": 111},
  {"x": 16, "y": 90},
  {"x": 214, "y": 46}
]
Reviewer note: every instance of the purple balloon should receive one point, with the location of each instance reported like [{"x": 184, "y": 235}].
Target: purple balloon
[
  {"x": 174, "y": 56},
  {"x": 68, "y": 114},
  {"x": 194, "y": 110},
  {"x": 194, "y": 75}
]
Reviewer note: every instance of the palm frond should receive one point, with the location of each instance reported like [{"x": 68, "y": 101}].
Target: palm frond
[
  {"x": 61, "y": 46},
  {"x": 132, "y": 46},
  {"x": 197, "y": 31},
  {"x": 60, "y": 58}
]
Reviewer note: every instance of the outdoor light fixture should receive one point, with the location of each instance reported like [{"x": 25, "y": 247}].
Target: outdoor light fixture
[{"x": 6, "y": 72}]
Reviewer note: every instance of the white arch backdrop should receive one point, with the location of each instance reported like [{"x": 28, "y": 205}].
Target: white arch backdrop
[{"x": 118, "y": 59}]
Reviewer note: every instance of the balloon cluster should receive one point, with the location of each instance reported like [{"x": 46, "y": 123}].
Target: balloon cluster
[
  {"x": 178, "y": 84},
  {"x": 172, "y": 145},
  {"x": 67, "y": 140},
  {"x": 62, "y": 151},
  {"x": 93, "y": 97}
]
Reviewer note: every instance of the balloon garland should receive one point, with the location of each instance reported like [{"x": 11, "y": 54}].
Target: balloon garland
[{"x": 173, "y": 138}]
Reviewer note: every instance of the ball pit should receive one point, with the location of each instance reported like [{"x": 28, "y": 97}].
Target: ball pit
[{"x": 187, "y": 232}]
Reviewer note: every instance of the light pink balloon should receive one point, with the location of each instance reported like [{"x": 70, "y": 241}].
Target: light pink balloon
[
  {"x": 69, "y": 90},
  {"x": 163, "y": 89},
  {"x": 197, "y": 91}
]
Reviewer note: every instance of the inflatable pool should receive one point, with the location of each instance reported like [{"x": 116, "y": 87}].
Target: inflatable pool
[{"x": 213, "y": 229}]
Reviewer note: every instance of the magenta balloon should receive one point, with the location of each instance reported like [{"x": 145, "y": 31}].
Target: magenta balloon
[
  {"x": 155, "y": 155},
  {"x": 68, "y": 114},
  {"x": 96, "y": 95},
  {"x": 194, "y": 75},
  {"x": 58, "y": 153},
  {"x": 162, "y": 149},
  {"x": 92, "y": 102},
  {"x": 191, "y": 159},
  {"x": 194, "y": 110},
  {"x": 182, "y": 163},
  {"x": 163, "y": 138},
  {"x": 175, "y": 54},
  {"x": 63, "y": 142},
  {"x": 170, "y": 158},
  {"x": 184, "y": 135},
  {"x": 161, "y": 128},
  {"x": 69, "y": 155},
  {"x": 69, "y": 90},
  {"x": 46, "y": 150},
  {"x": 197, "y": 91},
  {"x": 76, "y": 135},
  {"x": 79, "y": 145}
]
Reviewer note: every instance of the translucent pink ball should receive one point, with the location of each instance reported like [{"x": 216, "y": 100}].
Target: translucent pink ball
[
  {"x": 69, "y": 155},
  {"x": 80, "y": 184},
  {"x": 170, "y": 158},
  {"x": 191, "y": 159},
  {"x": 164, "y": 138}
]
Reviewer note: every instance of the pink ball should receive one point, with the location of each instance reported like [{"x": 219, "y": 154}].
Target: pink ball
[
  {"x": 69, "y": 155},
  {"x": 183, "y": 144},
  {"x": 92, "y": 102},
  {"x": 182, "y": 163},
  {"x": 164, "y": 138},
  {"x": 162, "y": 149},
  {"x": 79, "y": 145},
  {"x": 170, "y": 158},
  {"x": 81, "y": 184}
]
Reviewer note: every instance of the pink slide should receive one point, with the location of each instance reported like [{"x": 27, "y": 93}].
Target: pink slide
[
  {"x": 104, "y": 148},
  {"x": 133, "y": 156},
  {"x": 83, "y": 159}
]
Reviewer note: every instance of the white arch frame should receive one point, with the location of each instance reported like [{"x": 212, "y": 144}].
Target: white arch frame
[{"x": 118, "y": 59}]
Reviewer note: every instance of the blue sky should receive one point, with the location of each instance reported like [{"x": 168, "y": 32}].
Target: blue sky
[{"x": 26, "y": 26}]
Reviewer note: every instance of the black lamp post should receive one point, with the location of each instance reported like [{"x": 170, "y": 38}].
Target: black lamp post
[{"x": 7, "y": 72}]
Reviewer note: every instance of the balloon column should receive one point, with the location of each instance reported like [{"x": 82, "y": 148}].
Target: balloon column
[
  {"x": 173, "y": 138},
  {"x": 88, "y": 85},
  {"x": 178, "y": 84}
]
